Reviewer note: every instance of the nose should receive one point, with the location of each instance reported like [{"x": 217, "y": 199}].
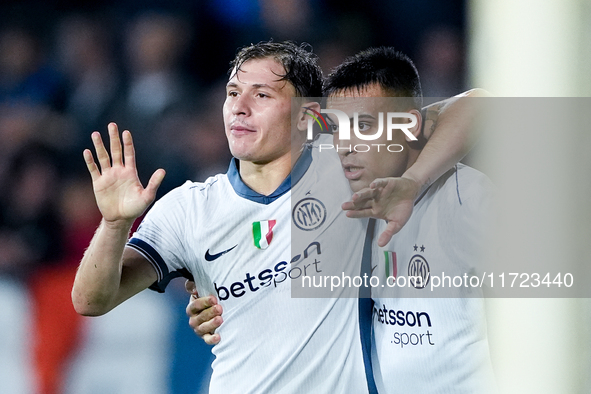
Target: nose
[
  {"x": 344, "y": 150},
  {"x": 240, "y": 105},
  {"x": 343, "y": 147}
]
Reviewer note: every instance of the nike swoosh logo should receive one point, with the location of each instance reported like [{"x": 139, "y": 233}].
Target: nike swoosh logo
[
  {"x": 212, "y": 257},
  {"x": 373, "y": 268}
]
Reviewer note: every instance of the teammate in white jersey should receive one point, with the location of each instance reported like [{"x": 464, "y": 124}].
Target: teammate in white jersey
[
  {"x": 211, "y": 233},
  {"x": 420, "y": 345}
]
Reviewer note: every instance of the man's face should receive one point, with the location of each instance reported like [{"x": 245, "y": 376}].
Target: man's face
[
  {"x": 257, "y": 112},
  {"x": 362, "y": 168}
]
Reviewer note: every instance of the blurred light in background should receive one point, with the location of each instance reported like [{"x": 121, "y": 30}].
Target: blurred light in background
[{"x": 529, "y": 48}]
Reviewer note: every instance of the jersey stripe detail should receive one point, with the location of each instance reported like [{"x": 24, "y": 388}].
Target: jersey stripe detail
[
  {"x": 164, "y": 275},
  {"x": 298, "y": 170},
  {"x": 366, "y": 308},
  {"x": 151, "y": 255},
  {"x": 160, "y": 286}
]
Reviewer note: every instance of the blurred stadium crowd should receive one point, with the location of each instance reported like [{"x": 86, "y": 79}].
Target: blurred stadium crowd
[{"x": 159, "y": 70}]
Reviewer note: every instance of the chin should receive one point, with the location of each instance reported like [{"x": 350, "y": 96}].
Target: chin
[
  {"x": 240, "y": 151},
  {"x": 358, "y": 185},
  {"x": 243, "y": 156}
]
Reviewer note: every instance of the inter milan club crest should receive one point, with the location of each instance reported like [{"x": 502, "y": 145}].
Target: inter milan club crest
[
  {"x": 419, "y": 272},
  {"x": 309, "y": 214},
  {"x": 263, "y": 233}
]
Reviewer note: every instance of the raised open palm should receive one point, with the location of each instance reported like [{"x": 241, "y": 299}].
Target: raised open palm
[{"x": 117, "y": 188}]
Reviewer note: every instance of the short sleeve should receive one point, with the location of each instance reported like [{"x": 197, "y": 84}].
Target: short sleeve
[{"x": 160, "y": 238}]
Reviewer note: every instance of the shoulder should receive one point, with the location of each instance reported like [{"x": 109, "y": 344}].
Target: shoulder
[
  {"x": 461, "y": 203},
  {"x": 473, "y": 181},
  {"x": 462, "y": 186},
  {"x": 190, "y": 189},
  {"x": 322, "y": 138},
  {"x": 323, "y": 151},
  {"x": 466, "y": 199},
  {"x": 183, "y": 199}
]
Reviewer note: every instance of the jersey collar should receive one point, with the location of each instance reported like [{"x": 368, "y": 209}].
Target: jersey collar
[{"x": 298, "y": 170}]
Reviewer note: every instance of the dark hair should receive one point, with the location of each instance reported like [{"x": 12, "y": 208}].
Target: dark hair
[
  {"x": 300, "y": 64},
  {"x": 391, "y": 69}
]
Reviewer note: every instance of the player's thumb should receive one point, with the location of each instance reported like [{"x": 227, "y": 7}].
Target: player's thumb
[
  {"x": 155, "y": 181},
  {"x": 190, "y": 287},
  {"x": 392, "y": 228}
]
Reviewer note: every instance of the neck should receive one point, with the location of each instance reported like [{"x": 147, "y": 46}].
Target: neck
[{"x": 266, "y": 178}]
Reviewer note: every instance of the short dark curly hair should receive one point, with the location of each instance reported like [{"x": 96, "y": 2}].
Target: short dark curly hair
[
  {"x": 300, "y": 64},
  {"x": 392, "y": 70}
]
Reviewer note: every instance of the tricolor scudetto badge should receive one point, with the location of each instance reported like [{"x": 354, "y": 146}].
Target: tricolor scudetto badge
[
  {"x": 263, "y": 233},
  {"x": 390, "y": 262}
]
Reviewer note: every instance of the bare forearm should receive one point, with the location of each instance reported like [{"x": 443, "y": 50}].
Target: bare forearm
[
  {"x": 109, "y": 273},
  {"x": 451, "y": 135},
  {"x": 99, "y": 275}
]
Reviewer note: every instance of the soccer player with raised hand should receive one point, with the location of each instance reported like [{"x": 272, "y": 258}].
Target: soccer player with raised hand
[{"x": 102, "y": 281}]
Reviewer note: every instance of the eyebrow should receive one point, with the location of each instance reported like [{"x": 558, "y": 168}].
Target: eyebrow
[
  {"x": 263, "y": 85},
  {"x": 254, "y": 85},
  {"x": 363, "y": 117}
]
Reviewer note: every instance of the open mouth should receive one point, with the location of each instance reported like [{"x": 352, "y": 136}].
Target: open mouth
[{"x": 353, "y": 172}]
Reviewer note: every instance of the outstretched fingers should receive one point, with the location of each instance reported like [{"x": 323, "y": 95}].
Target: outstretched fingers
[
  {"x": 128, "y": 149},
  {"x": 101, "y": 153},
  {"x": 360, "y": 213},
  {"x": 116, "y": 158},
  {"x": 361, "y": 204},
  {"x": 154, "y": 183},
  {"x": 115, "y": 145},
  {"x": 364, "y": 197},
  {"x": 91, "y": 165},
  {"x": 122, "y": 154}
]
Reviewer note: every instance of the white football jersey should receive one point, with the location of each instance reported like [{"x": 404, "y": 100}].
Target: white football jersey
[
  {"x": 434, "y": 345},
  {"x": 249, "y": 250}
]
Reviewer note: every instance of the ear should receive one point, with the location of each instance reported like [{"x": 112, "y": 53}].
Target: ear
[
  {"x": 302, "y": 118},
  {"x": 416, "y": 129}
]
